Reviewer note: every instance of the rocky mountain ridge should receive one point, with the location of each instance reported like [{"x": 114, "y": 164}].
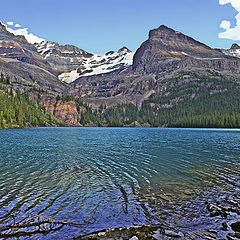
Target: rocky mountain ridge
[
  {"x": 234, "y": 51},
  {"x": 71, "y": 62},
  {"x": 163, "y": 56},
  {"x": 166, "y": 62}
]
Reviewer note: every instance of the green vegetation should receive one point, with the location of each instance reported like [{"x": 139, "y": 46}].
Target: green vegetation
[
  {"x": 18, "y": 111},
  {"x": 189, "y": 100},
  {"x": 219, "y": 110},
  {"x": 203, "y": 102}
]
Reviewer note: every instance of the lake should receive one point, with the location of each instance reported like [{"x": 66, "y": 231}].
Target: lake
[{"x": 82, "y": 180}]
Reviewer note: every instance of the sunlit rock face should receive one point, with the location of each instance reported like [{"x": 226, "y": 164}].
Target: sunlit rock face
[
  {"x": 167, "y": 50},
  {"x": 66, "y": 112}
]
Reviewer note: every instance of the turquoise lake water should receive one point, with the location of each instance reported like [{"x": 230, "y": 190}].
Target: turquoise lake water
[{"x": 99, "y": 178}]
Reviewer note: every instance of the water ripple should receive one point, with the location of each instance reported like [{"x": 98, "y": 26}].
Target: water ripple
[{"x": 101, "y": 178}]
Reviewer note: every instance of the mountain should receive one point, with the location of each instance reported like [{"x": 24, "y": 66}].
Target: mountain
[
  {"x": 21, "y": 62},
  {"x": 174, "y": 81},
  {"x": 62, "y": 58},
  {"x": 167, "y": 50},
  {"x": 162, "y": 56},
  {"x": 30, "y": 75},
  {"x": 233, "y": 51},
  {"x": 171, "y": 80},
  {"x": 71, "y": 62}
]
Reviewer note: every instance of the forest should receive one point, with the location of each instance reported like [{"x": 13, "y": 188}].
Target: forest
[
  {"x": 207, "y": 103},
  {"x": 18, "y": 110},
  {"x": 211, "y": 101}
]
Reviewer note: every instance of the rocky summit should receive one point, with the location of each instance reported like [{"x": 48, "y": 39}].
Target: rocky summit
[
  {"x": 233, "y": 51},
  {"x": 167, "y": 71},
  {"x": 167, "y": 54},
  {"x": 167, "y": 50}
]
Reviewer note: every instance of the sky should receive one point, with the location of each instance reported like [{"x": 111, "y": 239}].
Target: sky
[{"x": 98, "y": 26}]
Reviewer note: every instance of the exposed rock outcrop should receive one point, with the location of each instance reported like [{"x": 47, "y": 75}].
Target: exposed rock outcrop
[
  {"x": 62, "y": 58},
  {"x": 234, "y": 51},
  {"x": 66, "y": 112},
  {"x": 167, "y": 50},
  {"x": 17, "y": 47}
]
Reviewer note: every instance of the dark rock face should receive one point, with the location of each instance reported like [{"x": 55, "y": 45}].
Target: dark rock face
[
  {"x": 62, "y": 58},
  {"x": 25, "y": 77},
  {"x": 234, "y": 51},
  {"x": 162, "y": 56},
  {"x": 236, "y": 227},
  {"x": 17, "y": 47},
  {"x": 167, "y": 50},
  {"x": 124, "y": 49},
  {"x": 235, "y": 46}
]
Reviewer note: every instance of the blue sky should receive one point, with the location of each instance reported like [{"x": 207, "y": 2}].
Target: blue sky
[{"x": 102, "y": 25}]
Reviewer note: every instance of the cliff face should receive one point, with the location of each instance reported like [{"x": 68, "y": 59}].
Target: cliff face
[
  {"x": 167, "y": 50},
  {"x": 66, "y": 112}
]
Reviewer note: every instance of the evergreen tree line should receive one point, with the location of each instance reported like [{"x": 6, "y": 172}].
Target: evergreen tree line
[
  {"x": 18, "y": 111},
  {"x": 221, "y": 110}
]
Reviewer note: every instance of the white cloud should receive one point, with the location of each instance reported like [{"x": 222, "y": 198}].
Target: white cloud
[
  {"x": 31, "y": 38},
  {"x": 17, "y": 25},
  {"x": 232, "y": 33},
  {"x": 225, "y": 25},
  {"x": 10, "y": 23}
]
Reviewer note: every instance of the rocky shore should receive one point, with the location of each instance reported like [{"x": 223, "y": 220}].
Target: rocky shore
[{"x": 213, "y": 215}]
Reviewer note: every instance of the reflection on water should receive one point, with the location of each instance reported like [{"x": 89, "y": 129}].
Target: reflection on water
[{"x": 80, "y": 180}]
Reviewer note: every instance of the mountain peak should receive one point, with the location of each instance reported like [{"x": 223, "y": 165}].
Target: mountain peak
[
  {"x": 124, "y": 49},
  {"x": 163, "y": 30},
  {"x": 235, "y": 46},
  {"x": 2, "y": 26},
  {"x": 166, "y": 43}
]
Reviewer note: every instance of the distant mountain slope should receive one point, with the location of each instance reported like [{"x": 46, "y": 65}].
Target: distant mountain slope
[
  {"x": 234, "y": 51},
  {"x": 161, "y": 57},
  {"x": 71, "y": 62},
  {"x": 171, "y": 80},
  {"x": 62, "y": 58},
  {"x": 22, "y": 63}
]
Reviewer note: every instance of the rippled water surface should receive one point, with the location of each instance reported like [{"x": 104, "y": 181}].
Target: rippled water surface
[{"x": 98, "y": 178}]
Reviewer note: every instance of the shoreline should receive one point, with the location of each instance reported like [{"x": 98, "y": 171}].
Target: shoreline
[
  {"x": 123, "y": 127},
  {"x": 212, "y": 215},
  {"x": 219, "y": 219}
]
